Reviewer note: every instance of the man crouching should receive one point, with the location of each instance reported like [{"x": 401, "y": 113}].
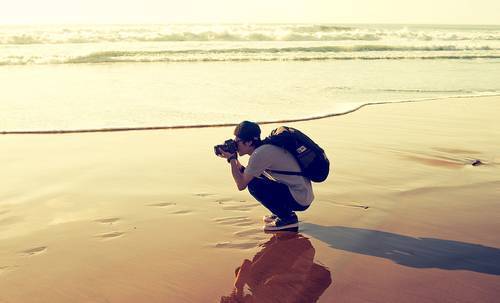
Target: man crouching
[{"x": 282, "y": 194}]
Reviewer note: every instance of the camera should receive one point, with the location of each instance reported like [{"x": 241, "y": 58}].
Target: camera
[{"x": 229, "y": 146}]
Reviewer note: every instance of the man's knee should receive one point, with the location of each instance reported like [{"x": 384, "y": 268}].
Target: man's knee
[
  {"x": 252, "y": 187},
  {"x": 255, "y": 187}
]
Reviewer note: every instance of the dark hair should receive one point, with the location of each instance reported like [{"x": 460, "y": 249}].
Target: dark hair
[{"x": 248, "y": 131}]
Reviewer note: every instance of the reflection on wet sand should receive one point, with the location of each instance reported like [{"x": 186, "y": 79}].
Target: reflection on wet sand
[{"x": 283, "y": 271}]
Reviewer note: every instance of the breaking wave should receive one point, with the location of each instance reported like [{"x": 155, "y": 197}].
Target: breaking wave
[{"x": 316, "y": 53}]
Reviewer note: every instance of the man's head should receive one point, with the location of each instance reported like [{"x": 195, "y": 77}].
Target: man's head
[{"x": 247, "y": 136}]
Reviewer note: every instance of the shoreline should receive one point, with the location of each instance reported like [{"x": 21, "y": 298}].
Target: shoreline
[{"x": 197, "y": 126}]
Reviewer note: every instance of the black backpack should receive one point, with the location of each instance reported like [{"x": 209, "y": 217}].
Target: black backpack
[{"x": 311, "y": 158}]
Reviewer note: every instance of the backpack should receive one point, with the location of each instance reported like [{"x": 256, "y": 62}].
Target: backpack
[{"x": 310, "y": 157}]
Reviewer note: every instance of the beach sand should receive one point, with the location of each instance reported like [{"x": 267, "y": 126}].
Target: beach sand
[{"x": 154, "y": 216}]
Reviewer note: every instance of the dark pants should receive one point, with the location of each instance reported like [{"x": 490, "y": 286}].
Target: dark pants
[{"x": 274, "y": 196}]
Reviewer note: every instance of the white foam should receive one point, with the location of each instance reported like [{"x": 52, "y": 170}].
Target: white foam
[{"x": 235, "y": 32}]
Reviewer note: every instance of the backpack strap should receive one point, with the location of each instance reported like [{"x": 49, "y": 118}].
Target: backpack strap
[
  {"x": 279, "y": 142},
  {"x": 290, "y": 173}
]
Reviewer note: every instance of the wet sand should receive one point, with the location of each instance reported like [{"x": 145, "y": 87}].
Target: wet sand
[{"x": 155, "y": 216}]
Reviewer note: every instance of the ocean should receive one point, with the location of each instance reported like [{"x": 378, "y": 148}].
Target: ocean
[{"x": 98, "y": 77}]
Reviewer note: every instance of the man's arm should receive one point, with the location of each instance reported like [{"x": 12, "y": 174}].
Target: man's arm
[
  {"x": 237, "y": 170},
  {"x": 240, "y": 177},
  {"x": 242, "y": 276}
]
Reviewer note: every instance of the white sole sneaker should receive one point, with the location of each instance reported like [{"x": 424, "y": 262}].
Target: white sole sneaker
[{"x": 273, "y": 227}]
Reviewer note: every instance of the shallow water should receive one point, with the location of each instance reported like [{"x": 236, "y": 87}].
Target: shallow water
[{"x": 94, "y": 77}]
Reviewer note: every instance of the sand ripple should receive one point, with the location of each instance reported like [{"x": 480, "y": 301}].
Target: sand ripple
[
  {"x": 110, "y": 235},
  {"x": 238, "y": 245},
  {"x": 34, "y": 251},
  {"x": 238, "y": 206},
  {"x": 248, "y": 232},
  {"x": 107, "y": 220},
  {"x": 161, "y": 204},
  {"x": 203, "y": 194},
  {"x": 181, "y": 212},
  {"x": 235, "y": 221},
  {"x": 5, "y": 269}
]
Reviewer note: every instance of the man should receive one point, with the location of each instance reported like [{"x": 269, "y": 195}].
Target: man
[{"x": 282, "y": 194}]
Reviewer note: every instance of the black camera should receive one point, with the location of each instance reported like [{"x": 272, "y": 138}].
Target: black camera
[{"x": 229, "y": 146}]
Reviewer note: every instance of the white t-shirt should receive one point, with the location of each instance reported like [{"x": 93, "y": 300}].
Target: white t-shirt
[{"x": 270, "y": 157}]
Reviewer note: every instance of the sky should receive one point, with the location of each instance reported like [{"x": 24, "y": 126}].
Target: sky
[{"x": 249, "y": 11}]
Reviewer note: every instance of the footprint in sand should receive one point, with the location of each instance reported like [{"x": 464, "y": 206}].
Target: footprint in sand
[
  {"x": 3, "y": 269},
  {"x": 167, "y": 204},
  {"x": 249, "y": 232},
  {"x": 203, "y": 195},
  {"x": 108, "y": 220},
  {"x": 180, "y": 212},
  {"x": 239, "y": 206},
  {"x": 110, "y": 235},
  {"x": 33, "y": 251},
  {"x": 223, "y": 200},
  {"x": 250, "y": 237},
  {"x": 238, "y": 245},
  {"x": 6, "y": 269},
  {"x": 161, "y": 204},
  {"x": 234, "y": 221}
]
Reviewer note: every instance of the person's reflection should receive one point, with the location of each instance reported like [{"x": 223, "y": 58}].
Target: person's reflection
[{"x": 283, "y": 271}]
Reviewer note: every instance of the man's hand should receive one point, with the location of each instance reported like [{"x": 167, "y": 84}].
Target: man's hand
[{"x": 225, "y": 155}]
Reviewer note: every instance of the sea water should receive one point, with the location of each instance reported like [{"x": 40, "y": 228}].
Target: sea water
[{"x": 92, "y": 77}]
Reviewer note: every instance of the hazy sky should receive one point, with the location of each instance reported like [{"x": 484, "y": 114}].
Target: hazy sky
[{"x": 258, "y": 11}]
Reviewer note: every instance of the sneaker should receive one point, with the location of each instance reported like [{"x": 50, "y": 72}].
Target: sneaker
[
  {"x": 291, "y": 223},
  {"x": 269, "y": 218}
]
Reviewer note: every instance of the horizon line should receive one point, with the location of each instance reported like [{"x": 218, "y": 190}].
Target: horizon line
[{"x": 242, "y": 23}]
